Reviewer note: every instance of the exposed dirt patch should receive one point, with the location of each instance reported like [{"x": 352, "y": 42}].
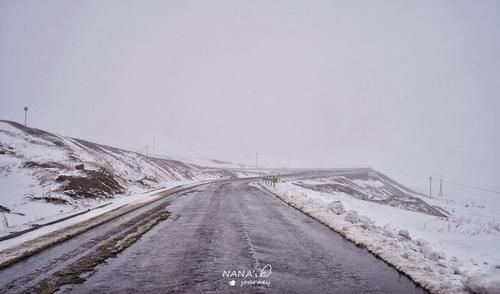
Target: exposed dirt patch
[
  {"x": 33, "y": 164},
  {"x": 92, "y": 184},
  {"x": 6, "y": 149},
  {"x": 146, "y": 181},
  {"x": 4, "y": 209}
]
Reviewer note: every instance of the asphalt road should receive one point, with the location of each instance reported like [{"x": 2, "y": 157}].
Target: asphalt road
[{"x": 221, "y": 237}]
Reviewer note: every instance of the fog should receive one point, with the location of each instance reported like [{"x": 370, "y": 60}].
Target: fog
[{"x": 404, "y": 86}]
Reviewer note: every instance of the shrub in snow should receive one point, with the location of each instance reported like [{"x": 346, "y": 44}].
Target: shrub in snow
[
  {"x": 352, "y": 216},
  {"x": 405, "y": 234},
  {"x": 336, "y": 207}
]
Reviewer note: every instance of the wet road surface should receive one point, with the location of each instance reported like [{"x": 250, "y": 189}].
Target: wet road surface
[{"x": 218, "y": 231}]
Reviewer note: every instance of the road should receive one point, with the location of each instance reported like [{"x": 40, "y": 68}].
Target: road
[{"x": 221, "y": 237}]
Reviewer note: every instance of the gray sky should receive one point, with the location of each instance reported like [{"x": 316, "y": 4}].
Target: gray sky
[{"x": 407, "y": 86}]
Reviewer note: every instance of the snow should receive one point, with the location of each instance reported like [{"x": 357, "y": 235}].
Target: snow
[
  {"x": 445, "y": 255},
  {"x": 21, "y": 185},
  {"x": 207, "y": 162},
  {"x": 484, "y": 282},
  {"x": 15, "y": 186},
  {"x": 119, "y": 201},
  {"x": 369, "y": 183}
]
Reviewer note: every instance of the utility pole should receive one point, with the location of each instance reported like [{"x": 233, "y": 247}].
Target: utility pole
[
  {"x": 441, "y": 186},
  {"x": 256, "y": 159},
  {"x": 430, "y": 187},
  {"x": 25, "y": 115}
]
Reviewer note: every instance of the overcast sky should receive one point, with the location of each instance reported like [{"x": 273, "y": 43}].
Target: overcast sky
[{"x": 406, "y": 86}]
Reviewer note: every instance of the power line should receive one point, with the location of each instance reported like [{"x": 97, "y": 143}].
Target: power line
[
  {"x": 471, "y": 187},
  {"x": 458, "y": 183}
]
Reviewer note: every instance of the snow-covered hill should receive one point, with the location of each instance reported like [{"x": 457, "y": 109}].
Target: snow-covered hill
[
  {"x": 370, "y": 185},
  {"x": 43, "y": 175},
  {"x": 448, "y": 244}
]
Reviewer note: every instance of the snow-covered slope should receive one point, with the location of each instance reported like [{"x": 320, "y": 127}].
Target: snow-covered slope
[
  {"x": 370, "y": 185},
  {"x": 201, "y": 161},
  {"x": 41, "y": 174},
  {"x": 448, "y": 244}
]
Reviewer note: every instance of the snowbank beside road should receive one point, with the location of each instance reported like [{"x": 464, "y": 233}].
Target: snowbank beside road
[
  {"x": 108, "y": 206},
  {"x": 432, "y": 250}
]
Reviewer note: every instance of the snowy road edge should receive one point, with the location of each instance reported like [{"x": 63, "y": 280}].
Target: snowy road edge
[
  {"x": 24, "y": 250},
  {"x": 355, "y": 242}
]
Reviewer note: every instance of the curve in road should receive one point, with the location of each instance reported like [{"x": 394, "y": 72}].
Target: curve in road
[{"x": 234, "y": 237}]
